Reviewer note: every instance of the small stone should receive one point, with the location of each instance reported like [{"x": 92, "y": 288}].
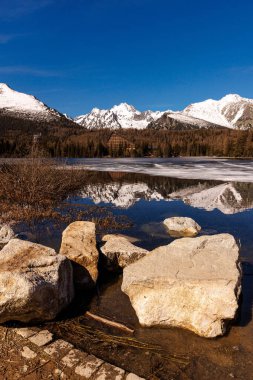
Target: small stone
[
  {"x": 108, "y": 371},
  {"x": 42, "y": 338},
  {"x": 182, "y": 227},
  {"x": 73, "y": 358},
  {"x": 132, "y": 376},
  {"x": 25, "y": 332},
  {"x": 58, "y": 349},
  {"x": 88, "y": 367},
  {"x": 60, "y": 374},
  {"x": 25, "y": 368},
  {"x": 28, "y": 353}
]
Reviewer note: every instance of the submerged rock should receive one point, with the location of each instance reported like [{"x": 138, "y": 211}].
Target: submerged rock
[
  {"x": 120, "y": 252},
  {"x": 190, "y": 283},
  {"x": 182, "y": 227},
  {"x": 6, "y": 234},
  {"x": 79, "y": 245},
  {"x": 35, "y": 283}
]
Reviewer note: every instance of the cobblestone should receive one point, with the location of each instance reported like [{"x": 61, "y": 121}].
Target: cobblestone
[
  {"x": 37, "y": 356},
  {"x": 42, "y": 338},
  {"x": 88, "y": 367},
  {"x": 28, "y": 353},
  {"x": 58, "y": 349},
  {"x": 110, "y": 372}
]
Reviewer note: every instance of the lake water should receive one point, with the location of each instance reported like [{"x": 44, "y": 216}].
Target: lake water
[{"x": 218, "y": 194}]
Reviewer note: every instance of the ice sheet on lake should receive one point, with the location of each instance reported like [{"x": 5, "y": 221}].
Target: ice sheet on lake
[{"x": 191, "y": 168}]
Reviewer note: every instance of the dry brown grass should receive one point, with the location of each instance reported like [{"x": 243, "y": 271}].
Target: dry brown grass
[{"x": 34, "y": 187}]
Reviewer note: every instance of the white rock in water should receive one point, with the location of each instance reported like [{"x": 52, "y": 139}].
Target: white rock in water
[
  {"x": 35, "y": 283},
  {"x": 120, "y": 252},
  {"x": 182, "y": 227},
  {"x": 190, "y": 283},
  {"x": 79, "y": 245},
  {"x": 6, "y": 234}
]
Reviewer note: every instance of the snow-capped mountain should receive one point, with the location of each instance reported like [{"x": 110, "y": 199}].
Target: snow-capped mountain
[
  {"x": 231, "y": 111},
  {"x": 22, "y": 106},
  {"x": 178, "y": 121},
  {"x": 120, "y": 116}
]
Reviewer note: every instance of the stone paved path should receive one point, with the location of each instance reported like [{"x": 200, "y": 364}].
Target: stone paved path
[{"x": 34, "y": 354}]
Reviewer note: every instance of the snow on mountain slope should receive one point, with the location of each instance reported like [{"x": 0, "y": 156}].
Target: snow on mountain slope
[
  {"x": 231, "y": 111},
  {"x": 21, "y": 105},
  {"x": 119, "y": 116},
  {"x": 180, "y": 121}
]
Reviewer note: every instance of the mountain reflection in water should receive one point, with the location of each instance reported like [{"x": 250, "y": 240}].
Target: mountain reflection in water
[{"x": 124, "y": 189}]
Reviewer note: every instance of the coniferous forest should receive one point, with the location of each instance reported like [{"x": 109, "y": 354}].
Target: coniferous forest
[{"x": 64, "y": 141}]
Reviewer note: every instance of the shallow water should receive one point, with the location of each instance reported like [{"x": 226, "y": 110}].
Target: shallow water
[
  {"x": 165, "y": 353},
  {"x": 155, "y": 353}
]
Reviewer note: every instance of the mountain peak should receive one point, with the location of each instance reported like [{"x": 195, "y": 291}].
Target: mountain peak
[
  {"x": 231, "y": 98},
  {"x": 123, "y": 107},
  {"x": 4, "y": 86}
]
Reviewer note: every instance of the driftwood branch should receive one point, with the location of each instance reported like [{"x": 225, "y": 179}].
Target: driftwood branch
[{"x": 106, "y": 321}]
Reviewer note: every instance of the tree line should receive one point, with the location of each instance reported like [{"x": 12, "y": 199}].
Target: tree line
[{"x": 76, "y": 143}]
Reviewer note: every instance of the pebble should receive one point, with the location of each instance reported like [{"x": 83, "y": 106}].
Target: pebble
[{"x": 28, "y": 353}]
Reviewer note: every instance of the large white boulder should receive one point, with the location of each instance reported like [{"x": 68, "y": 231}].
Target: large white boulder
[
  {"x": 79, "y": 245},
  {"x": 6, "y": 234},
  {"x": 182, "y": 227},
  {"x": 190, "y": 283},
  {"x": 35, "y": 283},
  {"x": 120, "y": 252}
]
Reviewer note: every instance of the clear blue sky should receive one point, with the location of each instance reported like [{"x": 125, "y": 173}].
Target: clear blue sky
[{"x": 156, "y": 54}]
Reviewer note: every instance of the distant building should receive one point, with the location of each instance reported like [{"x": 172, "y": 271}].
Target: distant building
[
  {"x": 119, "y": 144},
  {"x": 36, "y": 138}
]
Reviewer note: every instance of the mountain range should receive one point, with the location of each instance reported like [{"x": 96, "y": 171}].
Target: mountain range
[{"x": 231, "y": 111}]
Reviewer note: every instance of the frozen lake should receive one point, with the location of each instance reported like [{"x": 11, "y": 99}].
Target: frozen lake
[{"x": 189, "y": 168}]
